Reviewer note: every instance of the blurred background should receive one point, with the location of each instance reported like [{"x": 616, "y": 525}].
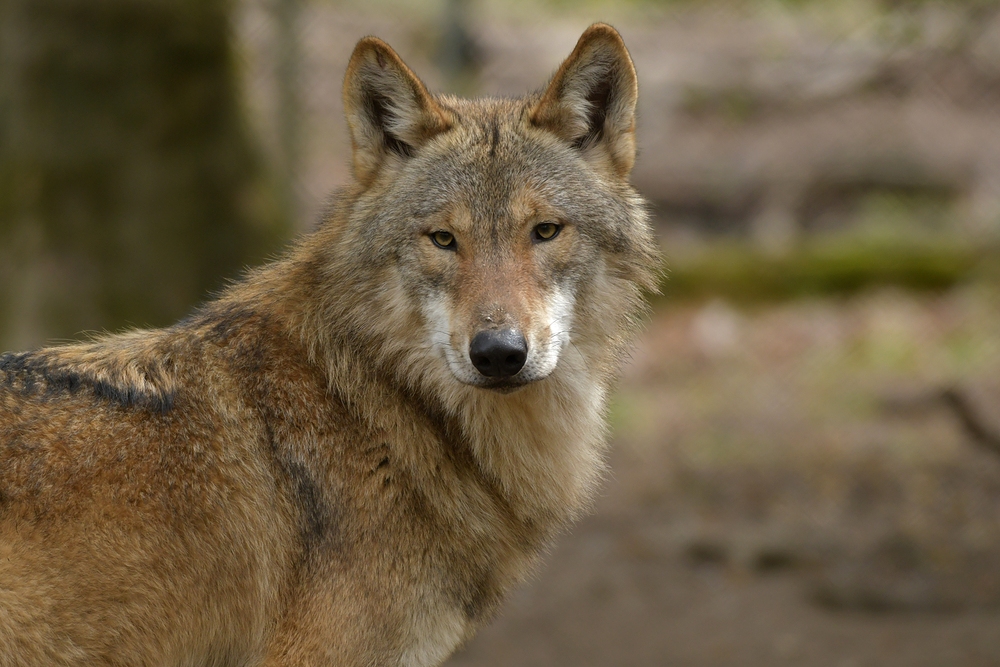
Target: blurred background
[{"x": 807, "y": 440}]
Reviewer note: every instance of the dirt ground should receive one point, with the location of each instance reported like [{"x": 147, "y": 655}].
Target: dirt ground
[{"x": 785, "y": 489}]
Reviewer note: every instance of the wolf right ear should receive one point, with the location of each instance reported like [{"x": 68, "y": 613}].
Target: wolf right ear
[
  {"x": 389, "y": 111},
  {"x": 590, "y": 101}
]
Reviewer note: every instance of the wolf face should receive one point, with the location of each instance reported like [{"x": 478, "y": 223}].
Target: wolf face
[
  {"x": 497, "y": 265},
  {"x": 500, "y": 215}
]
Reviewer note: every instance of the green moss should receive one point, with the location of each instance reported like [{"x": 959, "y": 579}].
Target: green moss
[{"x": 824, "y": 267}]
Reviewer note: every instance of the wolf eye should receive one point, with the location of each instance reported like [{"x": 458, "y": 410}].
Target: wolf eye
[
  {"x": 444, "y": 240},
  {"x": 545, "y": 231}
]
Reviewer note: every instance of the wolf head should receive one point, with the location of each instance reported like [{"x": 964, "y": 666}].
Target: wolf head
[{"x": 503, "y": 231}]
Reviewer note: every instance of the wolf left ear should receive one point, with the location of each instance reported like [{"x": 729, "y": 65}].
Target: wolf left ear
[
  {"x": 389, "y": 111},
  {"x": 590, "y": 102}
]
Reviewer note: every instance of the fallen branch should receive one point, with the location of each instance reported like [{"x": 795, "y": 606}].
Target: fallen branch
[
  {"x": 956, "y": 401},
  {"x": 972, "y": 423}
]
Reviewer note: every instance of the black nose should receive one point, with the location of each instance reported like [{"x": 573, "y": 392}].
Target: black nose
[{"x": 498, "y": 354}]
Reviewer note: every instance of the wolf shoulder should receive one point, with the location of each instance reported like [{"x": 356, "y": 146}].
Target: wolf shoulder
[{"x": 148, "y": 419}]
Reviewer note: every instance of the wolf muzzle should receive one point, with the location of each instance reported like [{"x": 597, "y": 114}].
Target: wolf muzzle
[{"x": 498, "y": 353}]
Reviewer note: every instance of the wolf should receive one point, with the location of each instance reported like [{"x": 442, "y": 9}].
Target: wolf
[{"x": 354, "y": 452}]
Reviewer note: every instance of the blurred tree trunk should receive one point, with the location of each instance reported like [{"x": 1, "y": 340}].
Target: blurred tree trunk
[
  {"x": 129, "y": 188},
  {"x": 287, "y": 14}
]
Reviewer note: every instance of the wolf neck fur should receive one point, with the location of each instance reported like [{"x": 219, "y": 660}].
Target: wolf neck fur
[{"x": 542, "y": 445}]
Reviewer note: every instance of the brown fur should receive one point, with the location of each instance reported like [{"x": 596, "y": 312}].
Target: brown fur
[{"x": 305, "y": 472}]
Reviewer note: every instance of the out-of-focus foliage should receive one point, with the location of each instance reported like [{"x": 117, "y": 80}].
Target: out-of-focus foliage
[
  {"x": 129, "y": 188},
  {"x": 842, "y": 266}
]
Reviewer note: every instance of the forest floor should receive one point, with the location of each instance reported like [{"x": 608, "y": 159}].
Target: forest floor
[{"x": 786, "y": 487}]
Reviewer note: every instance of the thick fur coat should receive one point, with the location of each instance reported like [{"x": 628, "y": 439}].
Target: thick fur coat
[{"x": 315, "y": 468}]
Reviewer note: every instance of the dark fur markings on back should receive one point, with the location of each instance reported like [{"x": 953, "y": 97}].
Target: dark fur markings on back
[
  {"x": 318, "y": 518},
  {"x": 318, "y": 521},
  {"x": 34, "y": 375}
]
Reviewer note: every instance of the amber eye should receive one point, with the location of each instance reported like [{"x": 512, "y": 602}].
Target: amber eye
[
  {"x": 444, "y": 240},
  {"x": 545, "y": 231}
]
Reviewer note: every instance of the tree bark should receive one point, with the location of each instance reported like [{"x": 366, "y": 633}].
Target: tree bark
[{"x": 129, "y": 187}]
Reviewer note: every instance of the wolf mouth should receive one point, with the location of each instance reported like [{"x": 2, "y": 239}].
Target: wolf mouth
[{"x": 505, "y": 386}]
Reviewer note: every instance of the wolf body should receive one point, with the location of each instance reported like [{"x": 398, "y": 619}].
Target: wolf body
[{"x": 351, "y": 455}]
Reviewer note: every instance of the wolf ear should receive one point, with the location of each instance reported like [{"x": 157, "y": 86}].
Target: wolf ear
[
  {"x": 389, "y": 111},
  {"x": 590, "y": 101}
]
